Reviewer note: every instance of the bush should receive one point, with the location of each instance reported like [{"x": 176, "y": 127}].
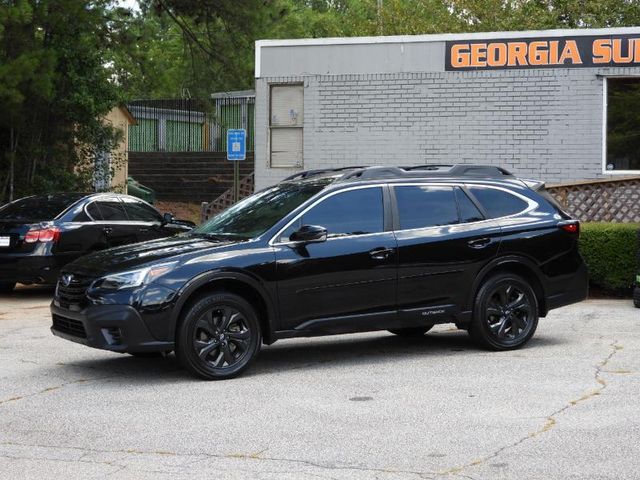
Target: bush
[{"x": 611, "y": 251}]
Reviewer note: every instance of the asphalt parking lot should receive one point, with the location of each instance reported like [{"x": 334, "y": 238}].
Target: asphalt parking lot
[{"x": 357, "y": 406}]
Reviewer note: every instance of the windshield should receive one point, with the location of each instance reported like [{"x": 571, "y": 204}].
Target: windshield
[
  {"x": 38, "y": 209},
  {"x": 254, "y": 215}
]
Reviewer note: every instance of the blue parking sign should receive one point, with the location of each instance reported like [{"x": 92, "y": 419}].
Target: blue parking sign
[{"x": 236, "y": 144}]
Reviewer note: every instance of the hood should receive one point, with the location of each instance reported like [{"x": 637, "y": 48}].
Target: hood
[{"x": 138, "y": 254}]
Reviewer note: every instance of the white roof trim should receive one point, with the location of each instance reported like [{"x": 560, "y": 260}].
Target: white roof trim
[
  {"x": 573, "y": 32},
  {"x": 566, "y": 32}
]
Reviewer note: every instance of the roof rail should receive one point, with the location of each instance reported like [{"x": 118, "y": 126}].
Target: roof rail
[
  {"x": 319, "y": 171},
  {"x": 416, "y": 171}
]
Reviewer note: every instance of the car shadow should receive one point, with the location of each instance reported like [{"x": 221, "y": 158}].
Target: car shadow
[
  {"x": 31, "y": 292},
  {"x": 346, "y": 350}
]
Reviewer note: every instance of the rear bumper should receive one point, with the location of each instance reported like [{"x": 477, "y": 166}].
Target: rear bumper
[
  {"x": 574, "y": 288},
  {"x": 30, "y": 268},
  {"x": 118, "y": 328}
]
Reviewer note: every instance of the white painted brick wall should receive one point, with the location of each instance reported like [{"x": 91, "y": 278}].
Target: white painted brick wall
[{"x": 544, "y": 123}]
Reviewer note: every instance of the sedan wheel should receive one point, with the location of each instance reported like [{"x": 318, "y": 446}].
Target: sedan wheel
[
  {"x": 505, "y": 313},
  {"x": 219, "y": 336}
]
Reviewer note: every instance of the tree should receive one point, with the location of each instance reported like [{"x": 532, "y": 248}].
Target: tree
[{"x": 54, "y": 89}]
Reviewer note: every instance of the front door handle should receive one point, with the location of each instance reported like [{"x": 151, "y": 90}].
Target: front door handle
[
  {"x": 479, "y": 242},
  {"x": 144, "y": 230},
  {"x": 381, "y": 253},
  {"x": 107, "y": 230}
]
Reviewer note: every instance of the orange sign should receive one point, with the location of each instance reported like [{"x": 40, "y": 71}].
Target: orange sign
[{"x": 619, "y": 50}]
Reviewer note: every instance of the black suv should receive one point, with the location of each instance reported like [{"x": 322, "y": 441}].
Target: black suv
[{"x": 334, "y": 251}]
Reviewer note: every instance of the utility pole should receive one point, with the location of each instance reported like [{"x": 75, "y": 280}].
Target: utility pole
[{"x": 380, "y": 17}]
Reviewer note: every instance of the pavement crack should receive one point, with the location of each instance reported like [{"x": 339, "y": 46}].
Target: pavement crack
[
  {"x": 551, "y": 420},
  {"x": 50, "y": 389},
  {"x": 201, "y": 456}
]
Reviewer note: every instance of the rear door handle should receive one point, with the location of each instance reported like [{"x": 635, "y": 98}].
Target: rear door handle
[
  {"x": 381, "y": 253},
  {"x": 479, "y": 242},
  {"x": 107, "y": 230}
]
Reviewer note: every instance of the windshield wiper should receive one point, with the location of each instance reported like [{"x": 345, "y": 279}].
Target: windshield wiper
[{"x": 220, "y": 236}]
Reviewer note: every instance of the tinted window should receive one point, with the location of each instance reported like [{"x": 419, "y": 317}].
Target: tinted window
[
  {"x": 139, "y": 211},
  {"x": 468, "y": 211},
  {"x": 498, "y": 203},
  {"x": 427, "y": 206},
  {"x": 112, "y": 210},
  {"x": 256, "y": 214},
  {"x": 94, "y": 211},
  {"x": 355, "y": 212},
  {"x": 39, "y": 208}
]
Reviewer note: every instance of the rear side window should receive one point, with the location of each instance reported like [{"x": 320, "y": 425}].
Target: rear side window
[
  {"x": 112, "y": 210},
  {"x": 498, "y": 203},
  {"x": 355, "y": 212},
  {"x": 428, "y": 206},
  {"x": 94, "y": 211},
  {"x": 138, "y": 211},
  {"x": 468, "y": 210}
]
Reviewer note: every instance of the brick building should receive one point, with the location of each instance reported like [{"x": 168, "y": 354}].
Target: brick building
[{"x": 557, "y": 105}]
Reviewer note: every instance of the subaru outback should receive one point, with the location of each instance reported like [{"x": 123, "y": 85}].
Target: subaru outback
[{"x": 329, "y": 252}]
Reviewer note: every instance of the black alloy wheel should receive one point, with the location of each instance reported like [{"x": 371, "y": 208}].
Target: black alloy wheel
[
  {"x": 505, "y": 313},
  {"x": 411, "y": 331},
  {"x": 219, "y": 336}
]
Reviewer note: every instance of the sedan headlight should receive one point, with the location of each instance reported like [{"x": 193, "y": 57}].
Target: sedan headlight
[{"x": 132, "y": 278}]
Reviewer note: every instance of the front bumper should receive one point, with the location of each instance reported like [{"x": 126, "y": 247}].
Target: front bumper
[{"x": 118, "y": 328}]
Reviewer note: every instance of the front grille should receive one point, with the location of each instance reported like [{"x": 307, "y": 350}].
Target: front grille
[
  {"x": 72, "y": 288},
  {"x": 70, "y": 326}
]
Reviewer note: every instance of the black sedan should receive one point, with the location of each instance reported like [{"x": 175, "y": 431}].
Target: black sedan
[{"x": 40, "y": 234}]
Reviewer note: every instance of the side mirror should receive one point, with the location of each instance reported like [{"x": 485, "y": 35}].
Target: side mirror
[
  {"x": 309, "y": 234},
  {"x": 167, "y": 218}
]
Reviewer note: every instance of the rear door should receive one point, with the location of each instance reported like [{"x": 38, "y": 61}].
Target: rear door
[
  {"x": 347, "y": 282},
  {"x": 443, "y": 241},
  {"x": 115, "y": 224}
]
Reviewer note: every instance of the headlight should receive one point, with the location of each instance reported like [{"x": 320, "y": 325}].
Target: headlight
[{"x": 132, "y": 278}]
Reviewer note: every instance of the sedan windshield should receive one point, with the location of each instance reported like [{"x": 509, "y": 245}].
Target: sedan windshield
[
  {"x": 38, "y": 208},
  {"x": 254, "y": 215}
]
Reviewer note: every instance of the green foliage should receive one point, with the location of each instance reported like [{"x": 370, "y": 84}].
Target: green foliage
[
  {"x": 611, "y": 253},
  {"x": 54, "y": 88}
]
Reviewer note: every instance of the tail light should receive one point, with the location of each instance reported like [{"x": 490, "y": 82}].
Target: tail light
[
  {"x": 572, "y": 226},
  {"x": 50, "y": 234}
]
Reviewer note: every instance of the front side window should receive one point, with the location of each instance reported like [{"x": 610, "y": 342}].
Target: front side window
[
  {"x": 498, "y": 203},
  {"x": 355, "y": 212},
  {"x": 141, "y": 212},
  {"x": 425, "y": 206},
  {"x": 623, "y": 124}
]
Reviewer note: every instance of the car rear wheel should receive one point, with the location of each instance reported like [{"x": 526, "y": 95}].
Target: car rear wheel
[
  {"x": 219, "y": 336},
  {"x": 636, "y": 297},
  {"x": 505, "y": 314},
  {"x": 412, "y": 331},
  {"x": 7, "y": 287}
]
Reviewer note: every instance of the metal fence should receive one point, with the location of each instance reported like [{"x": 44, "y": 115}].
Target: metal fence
[{"x": 190, "y": 125}]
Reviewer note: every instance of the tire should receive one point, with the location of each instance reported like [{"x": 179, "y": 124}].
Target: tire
[
  {"x": 218, "y": 337},
  {"x": 636, "y": 297},
  {"x": 505, "y": 313},
  {"x": 7, "y": 287},
  {"x": 411, "y": 331}
]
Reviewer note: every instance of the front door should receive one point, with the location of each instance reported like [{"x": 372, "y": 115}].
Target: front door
[{"x": 347, "y": 282}]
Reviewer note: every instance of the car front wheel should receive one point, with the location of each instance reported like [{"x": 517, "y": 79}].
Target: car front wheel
[
  {"x": 505, "y": 313},
  {"x": 219, "y": 336}
]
